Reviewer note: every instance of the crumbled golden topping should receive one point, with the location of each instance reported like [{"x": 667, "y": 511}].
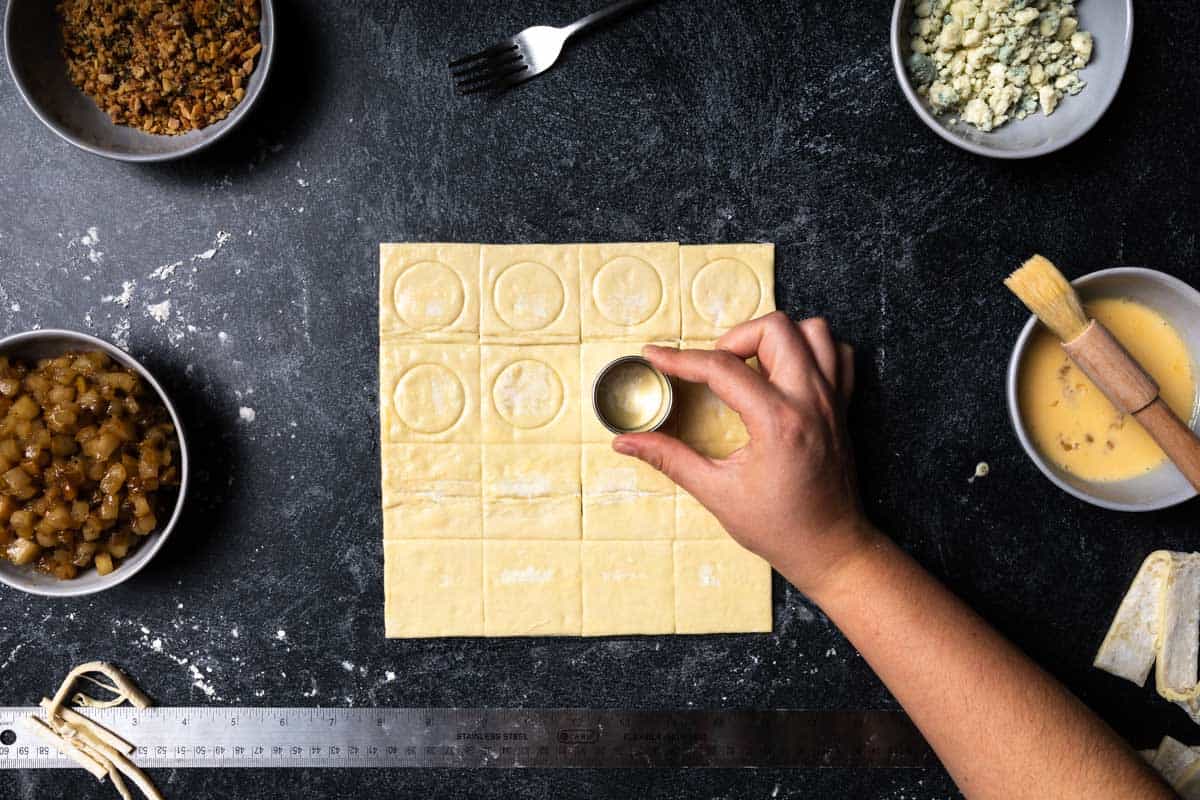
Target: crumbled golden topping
[{"x": 164, "y": 66}]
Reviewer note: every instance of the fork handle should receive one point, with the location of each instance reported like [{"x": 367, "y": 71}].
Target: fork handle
[{"x": 603, "y": 14}]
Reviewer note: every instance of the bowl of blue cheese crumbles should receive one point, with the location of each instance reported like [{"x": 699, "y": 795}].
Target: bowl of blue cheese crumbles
[{"x": 1011, "y": 78}]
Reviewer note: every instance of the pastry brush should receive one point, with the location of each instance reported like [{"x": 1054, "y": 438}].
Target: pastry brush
[{"x": 1042, "y": 288}]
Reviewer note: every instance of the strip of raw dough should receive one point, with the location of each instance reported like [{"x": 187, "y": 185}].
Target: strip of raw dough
[
  {"x": 1189, "y": 785},
  {"x": 1179, "y": 635},
  {"x": 87, "y": 727},
  {"x": 99, "y": 751},
  {"x": 1129, "y": 648},
  {"x": 1178, "y": 764},
  {"x": 1159, "y": 621},
  {"x": 121, "y": 685},
  {"x": 1173, "y": 760},
  {"x": 41, "y": 728}
]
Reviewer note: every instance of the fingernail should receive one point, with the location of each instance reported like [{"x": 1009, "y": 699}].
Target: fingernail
[
  {"x": 623, "y": 446},
  {"x": 650, "y": 349}
]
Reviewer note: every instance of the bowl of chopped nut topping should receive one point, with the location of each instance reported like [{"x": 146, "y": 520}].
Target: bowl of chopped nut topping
[
  {"x": 140, "y": 80},
  {"x": 1011, "y": 78},
  {"x": 93, "y": 464}
]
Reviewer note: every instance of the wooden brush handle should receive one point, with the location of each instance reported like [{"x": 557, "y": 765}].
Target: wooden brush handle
[
  {"x": 1126, "y": 384},
  {"x": 1109, "y": 365},
  {"x": 1175, "y": 438}
]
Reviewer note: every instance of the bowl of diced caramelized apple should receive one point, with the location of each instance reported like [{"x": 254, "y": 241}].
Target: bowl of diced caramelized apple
[{"x": 93, "y": 464}]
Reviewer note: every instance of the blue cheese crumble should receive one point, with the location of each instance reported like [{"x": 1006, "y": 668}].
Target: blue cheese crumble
[{"x": 989, "y": 61}]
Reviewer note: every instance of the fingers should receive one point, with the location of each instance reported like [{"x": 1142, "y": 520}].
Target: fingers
[
  {"x": 789, "y": 352},
  {"x": 846, "y": 376},
  {"x": 820, "y": 341},
  {"x": 780, "y": 347},
  {"x": 727, "y": 375},
  {"x": 671, "y": 457}
]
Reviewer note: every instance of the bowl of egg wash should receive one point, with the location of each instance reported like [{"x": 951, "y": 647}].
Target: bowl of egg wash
[{"x": 1070, "y": 429}]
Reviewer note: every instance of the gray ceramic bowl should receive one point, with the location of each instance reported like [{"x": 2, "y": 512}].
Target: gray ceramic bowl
[
  {"x": 1111, "y": 25},
  {"x": 47, "y": 344},
  {"x": 1180, "y": 305},
  {"x": 32, "y": 44}
]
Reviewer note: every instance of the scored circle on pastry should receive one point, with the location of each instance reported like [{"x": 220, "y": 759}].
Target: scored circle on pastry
[
  {"x": 429, "y": 296},
  {"x": 627, "y": 291},
  {"x": 528, "y": 296},
  {"x": 429, "y": 398},
  {"x": 726, "y": 292},
  {"x": 527, "y": 394}
]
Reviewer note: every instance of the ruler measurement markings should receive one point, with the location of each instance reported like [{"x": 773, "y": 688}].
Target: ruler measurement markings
[{"x": 472, "y": 738}]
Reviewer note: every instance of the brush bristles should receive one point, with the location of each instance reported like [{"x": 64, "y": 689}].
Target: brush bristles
[{"x": 1042, "y": 288}]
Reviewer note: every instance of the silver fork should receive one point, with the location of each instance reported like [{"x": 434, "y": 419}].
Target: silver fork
[{"x": 528, "y": 54}]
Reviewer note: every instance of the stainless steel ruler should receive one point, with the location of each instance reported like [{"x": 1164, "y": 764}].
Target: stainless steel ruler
[{"x": 476, "y": 738}]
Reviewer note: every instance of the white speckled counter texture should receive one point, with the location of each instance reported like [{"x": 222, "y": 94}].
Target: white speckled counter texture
[{"x": 246, "y": 279}]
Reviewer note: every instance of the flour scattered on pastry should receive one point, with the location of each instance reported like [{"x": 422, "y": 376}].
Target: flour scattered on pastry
[
  {"x": 622, "y": 480},
  {"x": 528, "y": 393},
  {"x": 630, "y": 308},
  {"x": 413, "y": 306},
  {"x": 628, "y": 297},
  {"x": 707, "y": 576},
  {"x": 526, "y": 575},
  {"x": 621, "y": 576},
  {"x": 536, "y": 307},
  {"x": 530, "y": 486}
]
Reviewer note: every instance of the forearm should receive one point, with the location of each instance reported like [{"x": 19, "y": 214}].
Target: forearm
[{"x": 1002, "y": 727}]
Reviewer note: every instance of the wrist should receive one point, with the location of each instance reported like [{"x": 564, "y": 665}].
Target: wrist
[{"x": 821, "y": 569}]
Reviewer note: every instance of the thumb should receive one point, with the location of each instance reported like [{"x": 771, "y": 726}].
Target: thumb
[{"x": 671, "y": 457}]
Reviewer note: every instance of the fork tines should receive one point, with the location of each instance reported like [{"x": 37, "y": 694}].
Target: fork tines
[{"x": 493, "y": 69}]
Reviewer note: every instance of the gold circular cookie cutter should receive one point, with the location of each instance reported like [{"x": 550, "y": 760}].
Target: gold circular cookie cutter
[{"x": 631, "y": 395}]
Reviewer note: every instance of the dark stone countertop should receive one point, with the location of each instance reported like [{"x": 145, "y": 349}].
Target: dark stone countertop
[{"x": 695, "y": 122}]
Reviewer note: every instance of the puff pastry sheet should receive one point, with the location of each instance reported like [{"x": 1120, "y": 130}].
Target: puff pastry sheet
[{"x": 505, "y": 510}]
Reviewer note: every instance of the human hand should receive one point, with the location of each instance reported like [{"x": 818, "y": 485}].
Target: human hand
[{"x": 791, "y": 494}]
